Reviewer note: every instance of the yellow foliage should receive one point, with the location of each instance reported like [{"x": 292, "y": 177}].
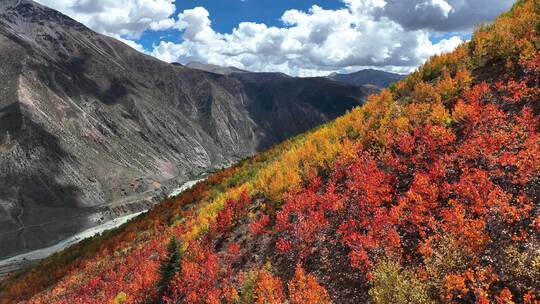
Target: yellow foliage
[
  {"x": 439, "y": 115},
  {"x": 299, "y": 163},
  {"x": 418, "y": 113},
  {"x": 447, "y": 87},
  {"x": 379, "y": 120},
  {"x": 511, "y": 34},
  {"x": 426, "y": 93},
  {"x": 120, "y": 298},
  {"x": 402, "y": 124},
  {"x": 463, "y": 80},
  {"x": 461, "y": 111},
  {"x": 208, "y": 211}
]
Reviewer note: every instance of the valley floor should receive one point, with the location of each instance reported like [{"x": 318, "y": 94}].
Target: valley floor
[
  {"x": 21, "y": 261},
  {"x": 24, "y": 260}
]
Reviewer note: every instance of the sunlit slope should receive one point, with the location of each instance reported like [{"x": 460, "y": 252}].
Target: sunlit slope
[{"x": 429, "y": 193}]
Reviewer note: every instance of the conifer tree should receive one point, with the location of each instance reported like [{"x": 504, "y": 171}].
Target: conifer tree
[{"x": 169, "y": 267}]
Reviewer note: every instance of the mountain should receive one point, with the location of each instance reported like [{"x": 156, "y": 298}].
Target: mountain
[
  {"x": 212, "y": 68},
  {"x": 91, "y": 129},
  {"x": 370, "y": 79},
  {"x": 379, "y": 79},
  {"x": 429, "y": 193}
]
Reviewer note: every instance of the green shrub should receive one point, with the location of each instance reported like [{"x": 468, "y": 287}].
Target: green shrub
[
  {"x": 447, "y": 257},
  {"x": 247, "y": 295},
  {"x": 393, "y": 284}
]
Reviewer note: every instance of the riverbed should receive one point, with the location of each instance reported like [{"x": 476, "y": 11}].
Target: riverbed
[
  {"x": 184, "y": 187},
  {"x": 24, "y": 260}
]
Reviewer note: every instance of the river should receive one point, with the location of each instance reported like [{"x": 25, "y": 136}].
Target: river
[{"x": 24, "y": 260}]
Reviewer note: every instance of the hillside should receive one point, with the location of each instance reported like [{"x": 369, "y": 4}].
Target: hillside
[
  {"x": 91, "y": 129},
  {"x": 429, "y": 193}
]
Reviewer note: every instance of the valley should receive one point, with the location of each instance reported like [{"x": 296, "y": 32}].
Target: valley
[
  {"x": 89, "y": 124},
  {"x": 22, "y": 261},
  {"x": 25, "y": 260}
]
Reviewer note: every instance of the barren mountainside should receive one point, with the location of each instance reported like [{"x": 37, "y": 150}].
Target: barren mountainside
[{"x": 91, "y": 129}]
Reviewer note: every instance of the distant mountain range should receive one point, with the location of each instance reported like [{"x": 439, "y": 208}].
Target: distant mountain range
[
  {"x": 380, "y": 79},
  {"x": 369, "y": 78},
  {"x": 91, "y": 129}
]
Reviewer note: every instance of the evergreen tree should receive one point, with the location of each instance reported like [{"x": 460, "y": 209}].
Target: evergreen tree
[{"x": 169, "y": 267}]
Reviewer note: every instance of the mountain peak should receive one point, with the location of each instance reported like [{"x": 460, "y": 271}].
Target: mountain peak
[{"x": 28, "y": 12}]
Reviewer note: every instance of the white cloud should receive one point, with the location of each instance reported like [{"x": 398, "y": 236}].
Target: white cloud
[
  {"x": 443, "y": 46},
  {"x": 118, "y": 18},
  {"x": 310, "y": 43},
  {"x": 133, "y": 44}
]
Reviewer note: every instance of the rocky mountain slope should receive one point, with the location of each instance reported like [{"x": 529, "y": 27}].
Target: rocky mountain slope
[{"x": 90, "y": 129}]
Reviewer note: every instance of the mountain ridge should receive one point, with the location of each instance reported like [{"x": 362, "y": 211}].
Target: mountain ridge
[
  {"x": 378, "y": 78},
  {"x": 369, "y": 78}
]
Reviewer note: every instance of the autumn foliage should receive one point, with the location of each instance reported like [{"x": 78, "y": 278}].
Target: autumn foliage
[{"x": 430, "y": 193}]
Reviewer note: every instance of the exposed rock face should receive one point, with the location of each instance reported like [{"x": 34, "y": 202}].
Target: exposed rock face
[{"x": 91, "y": 129}]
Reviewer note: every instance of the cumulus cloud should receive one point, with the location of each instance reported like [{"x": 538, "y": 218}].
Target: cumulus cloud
[
  {"x": 442, "y": 15},
  {"x": 118, "y": 18},
  {"x": 309, "y": 43},
  {"x": 133, "y": 44}
]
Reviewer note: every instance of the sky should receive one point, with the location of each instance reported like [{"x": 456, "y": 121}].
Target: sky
[{"x": 297, "y": 37}]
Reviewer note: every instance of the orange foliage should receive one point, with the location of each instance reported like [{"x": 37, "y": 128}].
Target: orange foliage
[
  {"x": 269, "y": 290},
  {"x": 304, "y": 289}
]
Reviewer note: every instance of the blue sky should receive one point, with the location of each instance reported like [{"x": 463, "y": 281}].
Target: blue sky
[
  {"x": 227, "y": 14},
  {"x": 297, "y": 37}
]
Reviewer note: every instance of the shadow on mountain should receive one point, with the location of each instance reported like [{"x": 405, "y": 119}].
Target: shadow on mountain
[
  {"x": 31, "y": 197},
  {"x": 287, "y": 106},
  {"x": 71, "y": 79}
]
